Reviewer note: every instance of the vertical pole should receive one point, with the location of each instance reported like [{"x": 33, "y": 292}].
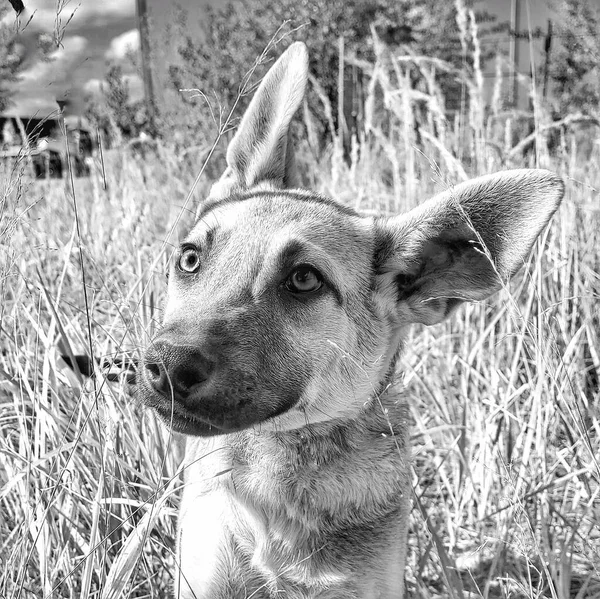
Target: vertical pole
[
  {"x": 142, "y": 14},
  {"x": 515, "y": 18},
  {"x": 547, "y": 49},
  {"x": 341, "y": 115}
]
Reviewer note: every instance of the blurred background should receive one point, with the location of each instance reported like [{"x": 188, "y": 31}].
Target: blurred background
[{"x": 123, "y": 69}]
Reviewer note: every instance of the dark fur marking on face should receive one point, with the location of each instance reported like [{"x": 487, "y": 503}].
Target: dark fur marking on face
[
  {"x": 383, "y": 247},
  {"x": 209, "y": 239},
  {"x": 406, "y": 285},
  {"x": 439, "y": 255},
  {"x": 207, "y": 242},
  {"x": 313, "y": 198}
]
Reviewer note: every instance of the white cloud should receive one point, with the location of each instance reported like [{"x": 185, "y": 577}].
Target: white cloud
[
  {"x": 124, "y": 44},
  {"x": 92, "y": 86},
  {"x": 29, "y": 106},
  {"x": 60, "y": 64},
  {"x": 41, "y": 15},
  {"x": 136, "y": 87},
  {"x": 41, "y": 84},
  {"x": 74, "y": 61},
  {"x": 134, "y": 84}
]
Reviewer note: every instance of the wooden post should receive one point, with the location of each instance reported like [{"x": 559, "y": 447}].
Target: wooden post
[
  {"x": 342, "y": 131},
  {"x": 547, "y": 49},
  {"x": 515, "y": 25},
  {"x": 142, "y": 14}
]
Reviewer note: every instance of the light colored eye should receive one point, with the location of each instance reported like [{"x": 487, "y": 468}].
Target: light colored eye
[
  {"x": 304, "y": 279},
  {"x": 189, "y": 261}
]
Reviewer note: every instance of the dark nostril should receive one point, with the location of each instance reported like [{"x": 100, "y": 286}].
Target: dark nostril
[
  {"x": 186, "y": 378},
  {"x": 156, "y": 375},
  {"x": 153, "y": 370}
]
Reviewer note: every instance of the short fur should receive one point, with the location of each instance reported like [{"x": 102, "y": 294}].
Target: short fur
[{"x": 298, "y": 466}]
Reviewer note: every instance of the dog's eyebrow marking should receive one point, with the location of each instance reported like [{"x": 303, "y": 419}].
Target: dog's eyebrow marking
[
  {"x": 205, "y": 241},
  {"x": 311, "y": 198},
  {"x": 209, "y": 238}
]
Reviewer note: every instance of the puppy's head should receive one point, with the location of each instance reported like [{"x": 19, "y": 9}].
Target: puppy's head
[{"x": 285, "y": 308}]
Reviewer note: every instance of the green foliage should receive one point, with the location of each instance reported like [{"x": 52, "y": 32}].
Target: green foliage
[
  {"x": 576, "y": 68},
  {"x": 11, "y": 58},
  {"x": 235, "y": 34},
  {"x": 113, "y": 112},
  {"x": 210, "y": 65}
]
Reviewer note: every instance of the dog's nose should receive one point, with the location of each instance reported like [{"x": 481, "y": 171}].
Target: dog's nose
[{"x": 175, "y": 370}]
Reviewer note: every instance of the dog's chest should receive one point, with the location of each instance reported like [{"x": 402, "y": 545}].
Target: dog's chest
[
  {"x": 256, "y": 529},
  {"x": 227, "y": 550},
  {"x": 202, "y": 545}
]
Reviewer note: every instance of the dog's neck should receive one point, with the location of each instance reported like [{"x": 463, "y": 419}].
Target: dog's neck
[
  {"x": 309, "y": 496},
  {"x": 318, "y": 470}
]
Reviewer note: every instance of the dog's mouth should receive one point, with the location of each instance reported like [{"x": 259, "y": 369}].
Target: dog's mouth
[
  {"x": 219, "y": 414},
  {"x": 181, "y": 420}
]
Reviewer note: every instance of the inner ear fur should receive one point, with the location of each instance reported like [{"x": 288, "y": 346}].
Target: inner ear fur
[
  {"x": 463, "y": 244},
  {"x": 261, "y": 152}
]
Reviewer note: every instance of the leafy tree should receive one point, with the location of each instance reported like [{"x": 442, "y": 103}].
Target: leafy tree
[
  {"x": 445, "y": 41},
  {"x": 575, "y": 70},
  {"x": 112, "y": 110},
  {"x": 13, "y": 57},
  {"x": 235, "y": 34}
]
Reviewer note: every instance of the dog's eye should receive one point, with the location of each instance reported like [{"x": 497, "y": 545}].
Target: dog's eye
[
  {"x": 304, "y": 279},
  {"x": 189, "y": 261}
]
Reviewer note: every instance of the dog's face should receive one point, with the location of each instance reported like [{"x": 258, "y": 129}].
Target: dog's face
[
  {"x": 285, "y": 308},
  {"x": 275, "y": 291}
]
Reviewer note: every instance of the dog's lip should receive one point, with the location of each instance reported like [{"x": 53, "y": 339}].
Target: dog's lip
[
  {"x": 180, "y": 417},
  {"x": 197, "y": 422}
]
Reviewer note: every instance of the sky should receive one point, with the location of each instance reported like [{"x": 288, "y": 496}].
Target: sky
[
  {"x": 88, "y": 33},
  {"x": 93, "y": 33}
]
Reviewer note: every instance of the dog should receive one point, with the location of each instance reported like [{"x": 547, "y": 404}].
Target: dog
[{"x": 285, "y": 316}]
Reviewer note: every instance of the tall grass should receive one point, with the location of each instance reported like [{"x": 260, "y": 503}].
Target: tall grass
[{"x": 504, "y": 397}]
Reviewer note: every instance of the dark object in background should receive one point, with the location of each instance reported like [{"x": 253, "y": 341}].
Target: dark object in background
[
  {"x": 17, "y": 5},
  {"x": 117, "y": 367}
]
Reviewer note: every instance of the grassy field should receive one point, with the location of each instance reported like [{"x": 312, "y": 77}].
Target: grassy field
[{"x": 504, "y": 397}]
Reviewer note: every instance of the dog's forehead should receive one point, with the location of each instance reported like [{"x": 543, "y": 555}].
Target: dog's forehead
[{"x": 259, "y": 220}]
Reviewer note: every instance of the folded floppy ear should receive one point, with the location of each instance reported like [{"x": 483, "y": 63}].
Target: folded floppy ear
[
  {"x": 260, "y": 151},
  {"x": 464, "y": 243}
]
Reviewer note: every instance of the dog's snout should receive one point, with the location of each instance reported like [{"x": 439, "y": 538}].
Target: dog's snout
[{"x": 176, "y": 370}]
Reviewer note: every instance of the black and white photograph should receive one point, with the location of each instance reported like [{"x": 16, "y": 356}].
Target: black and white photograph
[{"x": 300, "y": 299}]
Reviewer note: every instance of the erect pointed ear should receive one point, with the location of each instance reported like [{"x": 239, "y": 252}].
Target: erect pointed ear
[
  {"x": 260, "y": 150},
  {"x": 464, "y": 243}
]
